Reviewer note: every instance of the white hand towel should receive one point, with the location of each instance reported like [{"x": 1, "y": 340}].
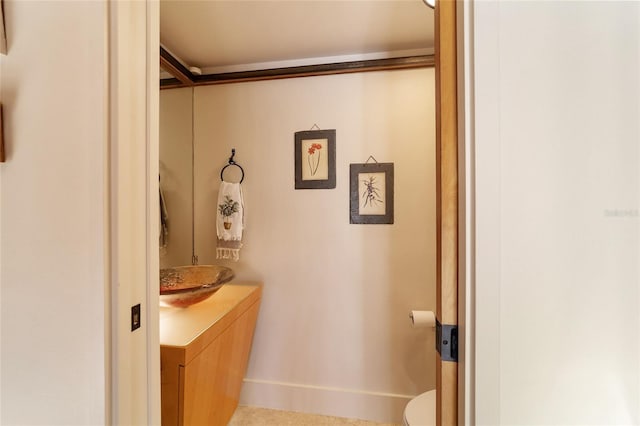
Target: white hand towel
[{"x": 229, "y": 221}]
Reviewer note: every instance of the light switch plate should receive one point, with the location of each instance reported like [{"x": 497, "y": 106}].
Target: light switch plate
[{"x": 135, "y": 317}]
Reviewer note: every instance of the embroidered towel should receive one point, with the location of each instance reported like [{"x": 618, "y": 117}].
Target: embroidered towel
[{"x": 229, "y": 221}]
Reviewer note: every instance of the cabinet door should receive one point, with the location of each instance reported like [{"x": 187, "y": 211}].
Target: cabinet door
[
  {"x": 212, "y": 380},
  {"x": 171, "y": 385}
]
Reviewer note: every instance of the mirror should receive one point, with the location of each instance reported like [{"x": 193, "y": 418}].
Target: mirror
[{"x": 175, "y": 175}]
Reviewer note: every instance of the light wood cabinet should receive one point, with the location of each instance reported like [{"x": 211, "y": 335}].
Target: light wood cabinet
[{"x": 204, "y": 353}]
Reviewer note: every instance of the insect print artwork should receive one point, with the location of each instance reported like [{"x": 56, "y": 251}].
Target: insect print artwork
[
  {"x": 372, "y": 190},
  {"x": 371, "y": 193}
]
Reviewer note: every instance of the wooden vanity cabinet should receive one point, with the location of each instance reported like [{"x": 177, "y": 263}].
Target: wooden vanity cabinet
[{"x": 203, "y": 355}]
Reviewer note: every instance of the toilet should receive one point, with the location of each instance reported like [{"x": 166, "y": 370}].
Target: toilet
[{"x": 421, "y": 410}]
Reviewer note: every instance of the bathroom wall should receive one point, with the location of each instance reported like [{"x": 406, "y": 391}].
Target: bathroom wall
[
  {"x": 52, "y": 299},
  {"x": 78, "y": 96},
  {"x": 333, "y": 334},
  {"x": 556, "y": 106}
]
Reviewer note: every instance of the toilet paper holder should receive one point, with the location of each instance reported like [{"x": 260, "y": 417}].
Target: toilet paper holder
[{"x": 446, "y": 334}]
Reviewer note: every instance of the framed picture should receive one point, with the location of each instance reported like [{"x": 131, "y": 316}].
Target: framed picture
[
  {"x": 3, "y": 33},
  {"x": 315, "y": 159},
  {"x": 2, "y": 156},
  {"x": 371, "y": 193}
]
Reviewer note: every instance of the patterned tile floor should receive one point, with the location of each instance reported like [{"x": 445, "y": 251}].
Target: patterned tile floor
[{"x": 252, "y": 416}]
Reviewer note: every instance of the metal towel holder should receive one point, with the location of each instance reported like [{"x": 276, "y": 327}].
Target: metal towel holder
[{"x": 232, "y": 163}]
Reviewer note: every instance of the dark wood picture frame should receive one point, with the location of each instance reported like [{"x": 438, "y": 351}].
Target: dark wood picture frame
[
  {"x": 365, "y": 191},
  {"x": 3, "y": 158},
  {"x": 315, "y": 159},
  {"x": 3, "y": 31}
]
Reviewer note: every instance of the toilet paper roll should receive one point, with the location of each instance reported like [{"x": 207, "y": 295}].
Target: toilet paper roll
[{"x": 422, "y": 319}]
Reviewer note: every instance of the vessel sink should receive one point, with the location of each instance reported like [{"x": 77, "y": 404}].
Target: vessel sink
[{"x": 182, "y": 286}]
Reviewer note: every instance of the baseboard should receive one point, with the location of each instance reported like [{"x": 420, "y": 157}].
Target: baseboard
[{"x": 373, "y": 406}]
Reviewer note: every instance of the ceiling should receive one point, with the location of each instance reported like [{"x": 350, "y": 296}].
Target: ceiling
[{"x": 240, "y": 35}]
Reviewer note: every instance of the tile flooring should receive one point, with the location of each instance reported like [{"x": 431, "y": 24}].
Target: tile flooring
[{"x": 252, "y": 416}]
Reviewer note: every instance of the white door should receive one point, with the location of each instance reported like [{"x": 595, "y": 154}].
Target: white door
[{"x": 556, "y": 109}]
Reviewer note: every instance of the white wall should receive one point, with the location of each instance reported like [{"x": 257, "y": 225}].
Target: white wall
[
  {"x": 52, "y": 298},
  {"x": 557, "y": 101},
  {"x": 333, "y": 334},
  {"x": 81, "y": 135}
]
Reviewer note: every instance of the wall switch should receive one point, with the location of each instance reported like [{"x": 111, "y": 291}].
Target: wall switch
[{"x": 135, "y": 317}]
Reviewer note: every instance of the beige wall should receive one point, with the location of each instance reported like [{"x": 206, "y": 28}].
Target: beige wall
[
  {"x": 52, "y": 301},
  {"x": 337, "y": 296}
]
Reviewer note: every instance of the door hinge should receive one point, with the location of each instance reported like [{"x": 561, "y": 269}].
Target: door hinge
[{"x": 447, "y": 341}]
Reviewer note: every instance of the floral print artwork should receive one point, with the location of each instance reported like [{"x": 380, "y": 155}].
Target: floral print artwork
[{"x": 313, "y": 158}]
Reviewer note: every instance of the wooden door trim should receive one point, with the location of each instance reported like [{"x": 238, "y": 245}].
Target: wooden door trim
[
  {"x": 185, "y": 78},
  {"x": 446, "y": 200}
]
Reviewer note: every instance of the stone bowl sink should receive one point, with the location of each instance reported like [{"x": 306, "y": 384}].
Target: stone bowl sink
[{"x": 182, "y": 286}]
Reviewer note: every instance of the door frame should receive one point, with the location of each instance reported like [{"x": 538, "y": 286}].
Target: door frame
[
  {"x": 450, "y": 387},
  {"x": 133, "y": 355},
  {"x": 449, "y": 404}
]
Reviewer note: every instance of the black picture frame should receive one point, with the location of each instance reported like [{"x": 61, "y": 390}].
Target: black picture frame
[
  {"x": 313, "y": 170},
  {"x": 3, "y": 32},
  {"x": 371, "y": 202}
]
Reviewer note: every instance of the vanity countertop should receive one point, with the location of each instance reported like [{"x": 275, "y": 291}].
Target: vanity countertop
[{"x": 181, "y": 327}]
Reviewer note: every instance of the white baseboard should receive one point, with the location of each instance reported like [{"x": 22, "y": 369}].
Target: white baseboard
[{"x": 373, "y": 406}]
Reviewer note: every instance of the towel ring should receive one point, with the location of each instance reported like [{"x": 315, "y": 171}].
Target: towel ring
[{"x": 232, "y": 163}]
